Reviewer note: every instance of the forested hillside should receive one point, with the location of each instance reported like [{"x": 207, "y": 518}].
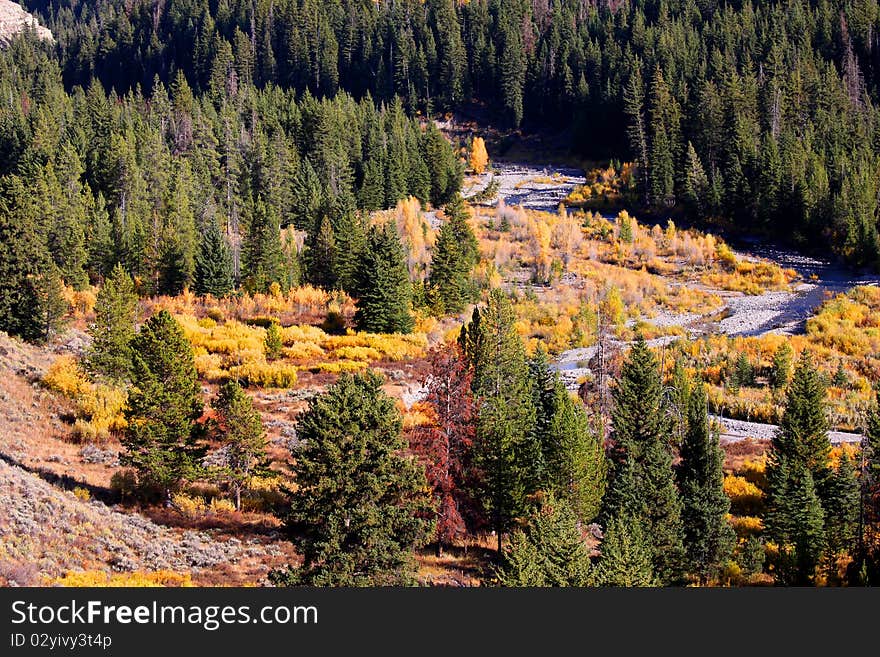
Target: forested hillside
[{"x": 761, "y": 113}]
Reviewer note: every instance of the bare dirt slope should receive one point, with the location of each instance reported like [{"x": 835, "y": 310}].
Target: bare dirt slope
[{"x": 46, "y": 530}]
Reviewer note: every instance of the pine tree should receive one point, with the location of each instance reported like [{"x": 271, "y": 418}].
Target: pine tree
[
  {"x": 708, "y": 536},
  {"x": 506, "y": 451},
  {"x": 780, "y": 372},
  {"x": 320, "y": 255},
  {"x": 272, "y": 343},
  {"x": 573, "y": 456},
  {"x": 803, "y": 549},
  {"x": 625, "y": 555},
  {"x": 113, "y": 330},
  {"x": 263, "y": 262},
  {"x": 454, "y": 256},
  {"x": 842, "y": 514},
  {"x": 349, "y": 242},
  {"x": 802, "y": 438},
  {"x": 550, "y": 551},
  {"x": 243, "y": 437},
  {"x": 161, "y": 437},
  {"x": 384, "y": 292},
  {"x": 358, "y": 500},
  {"x": 799, "y": 477},
  {"x": 51, "y": 305},
  {"x": 24, "y": 262},
  {"x": 642, "y": 482},
  {"x": 214, "y": 272}
]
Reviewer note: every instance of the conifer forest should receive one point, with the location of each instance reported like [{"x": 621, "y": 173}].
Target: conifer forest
[{"x": 506, "y": 293}]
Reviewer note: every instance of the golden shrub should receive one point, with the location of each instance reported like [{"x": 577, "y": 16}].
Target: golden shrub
[
  {"x": 745, "y": 497},
  {"x": 188, "y": 505},
  {"x": 221, "y": 505},
  {"x": 65, "y": 376},
  {"x": 366, "y": 354},
  {"x": 746, "y": 526},
  {"x": 158, "y": 578},
  {"x": 277, "y": 374},
  {"x": 339, "y": 367},
  {"x": 82, "y": 493},
  {"x": 303, "y": 351}
]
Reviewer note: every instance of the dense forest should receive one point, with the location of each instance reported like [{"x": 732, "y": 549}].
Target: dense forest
[{"x": 758, "y": 113}]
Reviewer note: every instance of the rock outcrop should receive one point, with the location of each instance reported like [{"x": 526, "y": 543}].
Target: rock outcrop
[{"x": 14, "y": 19}]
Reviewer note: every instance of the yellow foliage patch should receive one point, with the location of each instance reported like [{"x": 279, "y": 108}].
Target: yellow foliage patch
[{"x": 158, "y": 578}]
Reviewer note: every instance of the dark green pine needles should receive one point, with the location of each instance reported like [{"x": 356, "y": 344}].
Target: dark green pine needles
[
  {"x": 164, "y": 403},
  {"x": 384, "y": 292},
  {"x": 642, "y": 483},
  {"x": 359, "y": 500}
]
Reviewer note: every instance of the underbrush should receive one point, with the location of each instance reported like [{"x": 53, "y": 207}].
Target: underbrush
[
  {"x": 98, "y": 406},
  {"x": 235, "y": 349}
]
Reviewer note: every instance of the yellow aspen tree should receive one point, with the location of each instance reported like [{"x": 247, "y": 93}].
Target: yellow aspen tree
[
  {"x": 538, "y": 246},
  {"x": 479, "y": 157}
]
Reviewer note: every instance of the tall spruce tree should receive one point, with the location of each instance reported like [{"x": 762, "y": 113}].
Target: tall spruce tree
[
  {"x": 384, "y": 292},
  {"x": 214, "y": 272},
  {"x": 842, "y": 508},
  {"x": 164, "y": 404},
  {"x": 110, "y": 355},
  {"x": 572, "y": 451},
  {"x": 708, "y": 536},
  {"x": 359, "y": 500},
  {"x": 642, "y": 482},
  {"x": 506, "y": 451},
  {"x": 454, "y": 256},
  {"x": 24, "y": 266},
  {"x": 320, "y": 255},
  {"x": 799, "y": 477},
  {"x": 263, "y": 259}
]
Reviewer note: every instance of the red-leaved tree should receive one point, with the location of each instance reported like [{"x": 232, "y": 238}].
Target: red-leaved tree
[{"x": 444, "y": 445}]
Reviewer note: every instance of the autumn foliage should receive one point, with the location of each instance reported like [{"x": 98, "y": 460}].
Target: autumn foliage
[{"x": 444, "y": 444}]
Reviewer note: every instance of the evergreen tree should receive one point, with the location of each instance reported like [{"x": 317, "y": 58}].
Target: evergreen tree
[
  {"x": 358, "y": 500},
  {"x": 24, "y": 263},
  {"x": 550, "y": 551},
  {"x": 708, "y": 536},
  {"x": 214, "y": 272},
  {"x": 349, "y": 242},
  {"x": 625, "y": 555},
  {"x": 51, "y": 305},
  {"x": 642, "y": 482},
  {"x": 506, "y": 451},
  {"x": 272, "y": 343},
  {"x": 243, "y": 437},
  {"x": 802, "y": 438},
  {"x": 803, "y": 551},
  {"x": 113, "y": 330},
  {"x": 799, "y": 477},
  {"x": 384, "y": 292},
  {"x": 842, "y": 515},
  {"x": 164, "y": 404},
  {"x": 454, "y": 256},
  {"x": 263, "y": 261},
  {"x": 573, "y": 455},
  {"x": 780, "y": 372},
  {"x": 321, "y": 255}
]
